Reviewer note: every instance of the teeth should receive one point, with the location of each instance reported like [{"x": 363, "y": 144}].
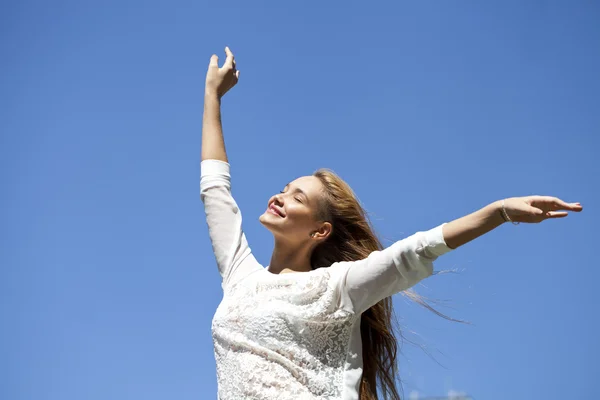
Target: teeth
[{"x": 275, "y": 211}]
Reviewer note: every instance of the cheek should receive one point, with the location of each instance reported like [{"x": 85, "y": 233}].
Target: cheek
[{"x": 299, "y": 218}]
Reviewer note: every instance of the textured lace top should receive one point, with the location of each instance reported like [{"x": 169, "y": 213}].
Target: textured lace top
[{"x": 296, "y": 335}]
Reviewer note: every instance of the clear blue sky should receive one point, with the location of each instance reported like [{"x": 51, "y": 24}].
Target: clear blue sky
[{"x": 430, "y": 110}]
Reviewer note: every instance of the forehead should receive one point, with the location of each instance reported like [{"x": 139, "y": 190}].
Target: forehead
[{"x": 311, "y": 185}]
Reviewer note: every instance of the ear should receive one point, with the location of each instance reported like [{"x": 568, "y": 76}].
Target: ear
[{"x": 325, "y": 230}]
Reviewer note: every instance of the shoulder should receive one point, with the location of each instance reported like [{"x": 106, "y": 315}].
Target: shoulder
[{"x": 337, "y": 273}]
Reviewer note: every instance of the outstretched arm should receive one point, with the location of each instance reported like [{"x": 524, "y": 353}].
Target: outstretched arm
[
  {"x": 408, "y": 261},
  {"x": 531, "y": 209},
  {"x": 218, "y": 82}
]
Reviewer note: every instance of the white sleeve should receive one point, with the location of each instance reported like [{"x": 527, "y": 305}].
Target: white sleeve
[
  {"x": 392, "y": 270},
  {"x": 224, "y": 219}
]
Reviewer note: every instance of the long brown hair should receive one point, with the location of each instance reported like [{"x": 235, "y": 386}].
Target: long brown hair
[{"x": 353, "y": 238}]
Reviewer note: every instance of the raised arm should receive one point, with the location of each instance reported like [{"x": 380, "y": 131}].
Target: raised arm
[
  {"x": 218, "y": 82},
  {"x": 223, "y": 216}
]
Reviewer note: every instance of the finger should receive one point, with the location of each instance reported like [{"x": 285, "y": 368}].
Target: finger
[
  {"x": 214, "y": 61},
  {"x": 556, "y": 214},
  {"x": 229, "y": 60},
  {"x": 555, "y": 203},
  {"x": 562, "y": 205},
  {"x": 535, "y": 211},
  {"x": 558, "y": 204},
  {"x": 237, "y": 74},
  {"x": 572, "y": 206}
]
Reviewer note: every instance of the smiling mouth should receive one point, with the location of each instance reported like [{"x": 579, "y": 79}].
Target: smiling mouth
[{"x": 273, "y": 210}]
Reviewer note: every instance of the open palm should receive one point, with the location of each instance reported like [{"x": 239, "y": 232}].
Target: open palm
[{"x": 535, "y": 209}]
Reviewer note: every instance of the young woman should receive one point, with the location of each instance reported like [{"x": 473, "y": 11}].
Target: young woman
[{"x": 316, "y": 322}]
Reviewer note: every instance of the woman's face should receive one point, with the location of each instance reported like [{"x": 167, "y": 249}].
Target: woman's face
[{"x": 291, "y": 215}]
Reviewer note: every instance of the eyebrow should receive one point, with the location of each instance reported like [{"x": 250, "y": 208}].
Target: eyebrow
[{"x": 299, "y": 191}]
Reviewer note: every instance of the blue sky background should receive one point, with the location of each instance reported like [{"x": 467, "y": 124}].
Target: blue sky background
[{"x": 430, "y": 110}]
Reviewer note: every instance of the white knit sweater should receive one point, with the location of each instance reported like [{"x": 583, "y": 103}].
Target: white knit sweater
[{"x": 297, "y": 335}]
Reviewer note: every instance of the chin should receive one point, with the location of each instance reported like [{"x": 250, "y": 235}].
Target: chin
[{"x": 264, "y": 220}]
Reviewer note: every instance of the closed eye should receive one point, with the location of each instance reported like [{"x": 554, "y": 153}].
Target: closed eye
[{"x": 295, "y": 198}]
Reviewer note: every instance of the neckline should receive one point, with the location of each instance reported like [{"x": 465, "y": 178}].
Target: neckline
[{"x": 286, "y": 273}]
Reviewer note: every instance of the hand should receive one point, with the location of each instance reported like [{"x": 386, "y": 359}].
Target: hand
[
  {"x": 220, "y": 80},
  {"x": 535, "y": 209}
]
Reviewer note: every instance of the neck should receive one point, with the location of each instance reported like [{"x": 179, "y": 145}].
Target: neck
[{"x": 290, "y": 258}]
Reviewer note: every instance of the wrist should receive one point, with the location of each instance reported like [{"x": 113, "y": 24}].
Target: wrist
[
  {"x": 497, "y": 213},
  {"x": 211, "y": 94}
]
